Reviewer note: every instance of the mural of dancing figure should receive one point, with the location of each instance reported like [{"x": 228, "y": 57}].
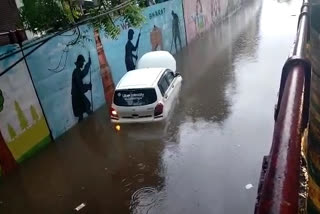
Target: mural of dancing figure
[
  {"x": 176, "y": 30},
  {"x": 80, "y": 102},
  {"x": 130, "y": 48},
  {"x": 215, "y": 11},
  {"x": 199, "y": 18}
]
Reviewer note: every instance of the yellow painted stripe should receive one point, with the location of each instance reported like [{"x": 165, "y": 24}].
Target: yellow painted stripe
[
  {"x": 304, "y": 143},
  {"x": 314, "y": 87},
  {"x": 315, "y": 100},
  {"x": 315, "y": 132},
  {"x": 314, "y": 110},
  {"x": 314, "y": 115},
  {"x": 314, "y": 193},
  {"x": 315, "y": 159}
]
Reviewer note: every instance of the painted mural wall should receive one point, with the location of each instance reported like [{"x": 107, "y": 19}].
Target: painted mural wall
[
  {"x": 22, "y": 124},
  {"x": 66, "y": 75},
  {"x": 163, "y": 30},
  {"x": 201, "y": 15},
  {"x": 74, "y": 74}
]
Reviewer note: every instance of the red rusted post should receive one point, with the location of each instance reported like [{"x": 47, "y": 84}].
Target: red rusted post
[
  {"x": 279, "y": 193},
  {"x": 106, "y": 76}
]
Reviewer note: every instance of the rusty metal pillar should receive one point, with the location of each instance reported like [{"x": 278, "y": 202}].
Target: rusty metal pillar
[
  {"x": 106, "y": 76},
  {"x": 278, "y": 191},
  {"x": 313, "y": 150}
]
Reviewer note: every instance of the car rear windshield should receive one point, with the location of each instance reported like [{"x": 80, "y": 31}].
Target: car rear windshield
[{"x": 135, "y": 97}]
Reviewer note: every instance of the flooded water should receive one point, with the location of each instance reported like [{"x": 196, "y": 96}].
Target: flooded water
[{"x": 206, "y": 159}]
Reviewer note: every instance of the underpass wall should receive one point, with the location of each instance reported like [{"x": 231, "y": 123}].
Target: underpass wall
[
  {"x": 45, "y": 94},
  {"x": 201, "y": 15},
  {"x": 69, "y": 86},
  {"x": 163, "y": 30},
  {"x": 23, "y": 128},
  {"x": 50, "y": 91},
  {"x": 244, "y": 23}
]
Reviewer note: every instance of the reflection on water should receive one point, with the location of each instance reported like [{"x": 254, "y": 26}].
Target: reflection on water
[
  {"x": 210, "y": 62},
  {"x": 206, "y": 100}
]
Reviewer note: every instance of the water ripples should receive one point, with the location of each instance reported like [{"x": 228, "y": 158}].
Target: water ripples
[{"x": 146, "y": 200}]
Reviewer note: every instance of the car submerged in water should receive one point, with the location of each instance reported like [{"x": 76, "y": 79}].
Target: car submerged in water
[{"x": 149, "y": 93}]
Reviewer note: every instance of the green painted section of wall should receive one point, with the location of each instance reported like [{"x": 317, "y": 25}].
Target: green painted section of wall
[
  {"x": 29, "y": 139},
  {"x": 22, "y": 123}
]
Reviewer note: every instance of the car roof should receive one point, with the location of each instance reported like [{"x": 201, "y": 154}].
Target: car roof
[
  {"x": 140, "y": 78},
  {"x": 157, "y": 59}
]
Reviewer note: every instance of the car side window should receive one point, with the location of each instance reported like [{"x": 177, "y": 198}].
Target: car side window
[
  {"x": 169, "y": 76},
  {"x": 163, "y": 85}
]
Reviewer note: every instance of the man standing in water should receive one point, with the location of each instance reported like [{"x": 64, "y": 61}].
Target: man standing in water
[
  {"x": 176, "y": 30},
  {"x": 80, "y": 103},
  {"x": 130, "y": 48}
]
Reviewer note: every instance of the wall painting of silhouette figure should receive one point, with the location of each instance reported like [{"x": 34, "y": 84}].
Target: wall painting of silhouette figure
[
  {"x": 176, "y": 30},
  {"x": 162, "y": 30},
  {"x": 80, "y": 103},
  {"x": 130, "y": 57},
  {"x": 67, "y": 75}
]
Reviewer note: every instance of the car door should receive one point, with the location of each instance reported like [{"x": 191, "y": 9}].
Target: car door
[
  {"x": 171, "y": 89},
  {"x": 163, "y": 86},
  {"x": 167, "y": 87},
  {"x": 177, "y": 82},
  {"x": 174, "y": 87}
]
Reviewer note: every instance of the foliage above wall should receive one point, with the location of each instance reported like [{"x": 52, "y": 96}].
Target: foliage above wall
[{"x": 40, "y": 16}]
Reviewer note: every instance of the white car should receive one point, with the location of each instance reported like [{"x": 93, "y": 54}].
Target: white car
[{"x": 146, "y": 94}]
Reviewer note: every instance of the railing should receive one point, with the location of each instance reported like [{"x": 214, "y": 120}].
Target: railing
[{"x": 278, "y": 191}]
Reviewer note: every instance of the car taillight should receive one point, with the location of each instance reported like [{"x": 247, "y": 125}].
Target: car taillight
[
  {"x": 158, "y": 109},
  {"x": 113, "y": 113}
]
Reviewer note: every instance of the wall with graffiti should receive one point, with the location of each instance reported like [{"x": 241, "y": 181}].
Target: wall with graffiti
[
  {"x": 66, "y": 75},
  {"x": 163, "y": 30},
  {"x": 74, "y": 74},
  {"x": 23, "y": 127},
  {"x": 201, "y": 15}
]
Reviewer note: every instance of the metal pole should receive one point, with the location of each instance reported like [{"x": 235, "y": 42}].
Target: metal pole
[
  {"x": 313, "y": 148},
  {"x": 278, "y": 191},
  {"x": 279, "y": 194}
]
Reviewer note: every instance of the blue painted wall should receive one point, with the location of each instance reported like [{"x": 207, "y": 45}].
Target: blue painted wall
[
  {"x": 22, "y": 123},
  {"x": 51, "y": 68},
  {"x": 157, "y": 15}
]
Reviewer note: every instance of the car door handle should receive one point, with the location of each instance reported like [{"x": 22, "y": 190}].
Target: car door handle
[
  {"x": 172, "y": 86},
  {"x": 166, "y": 96}
]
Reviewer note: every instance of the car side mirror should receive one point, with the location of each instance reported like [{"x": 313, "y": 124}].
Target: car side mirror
[{"x": 177, "y": 74}]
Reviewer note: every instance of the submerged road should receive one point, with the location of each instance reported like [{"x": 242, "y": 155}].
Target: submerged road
[{"x": 206, "y": 159}]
